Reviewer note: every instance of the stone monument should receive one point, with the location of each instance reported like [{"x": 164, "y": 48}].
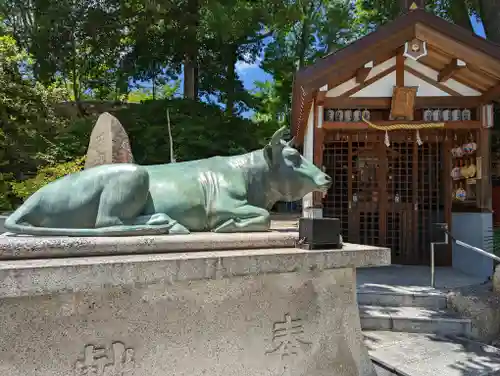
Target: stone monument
[{"x": 109, "y": 143}]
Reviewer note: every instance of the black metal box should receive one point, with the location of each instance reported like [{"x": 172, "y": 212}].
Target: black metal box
[{"x": 319, "y": 233}]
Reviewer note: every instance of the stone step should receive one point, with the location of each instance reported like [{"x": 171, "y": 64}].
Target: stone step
[
  {"x": 434, "y": 300},
  {"x": 413, "y": 320},
  {"x": 418, "y": 354}
]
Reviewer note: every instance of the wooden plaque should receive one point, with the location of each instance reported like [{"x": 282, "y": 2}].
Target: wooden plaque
[{"x": 403, "y": 102}]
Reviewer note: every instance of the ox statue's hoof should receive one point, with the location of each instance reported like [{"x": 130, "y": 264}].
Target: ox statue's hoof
[{"x": 178, "y": 229}]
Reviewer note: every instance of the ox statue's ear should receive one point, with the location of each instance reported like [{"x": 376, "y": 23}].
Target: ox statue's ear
[
  {"x": 268, "y": 154},
  {"x": 277, "y": 136}
]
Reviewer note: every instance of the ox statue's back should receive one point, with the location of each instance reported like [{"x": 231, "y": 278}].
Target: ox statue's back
[{"x": 221, "y": 194}]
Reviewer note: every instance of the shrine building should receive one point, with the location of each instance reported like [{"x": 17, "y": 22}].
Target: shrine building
[{"x": 401, "y": 120}]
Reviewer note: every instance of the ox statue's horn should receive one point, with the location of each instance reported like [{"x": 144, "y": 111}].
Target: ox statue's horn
[
  {"x": 278, "y": 136},
  {"x": 291, "y": 143}
]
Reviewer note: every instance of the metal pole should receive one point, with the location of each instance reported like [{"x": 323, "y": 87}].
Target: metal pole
[
  {"x": 433, "y": 260},
  {"x": 433, "y": 274}
]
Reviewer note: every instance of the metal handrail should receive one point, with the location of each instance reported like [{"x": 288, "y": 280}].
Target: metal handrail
[
  {"x": 478, "y": 250},
  {"x": 433, "y": 266},
  {"x": 460, "y": 243}
]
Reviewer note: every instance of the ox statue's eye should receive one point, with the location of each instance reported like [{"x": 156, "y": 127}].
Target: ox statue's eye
[{"x": 296, "y": 159}]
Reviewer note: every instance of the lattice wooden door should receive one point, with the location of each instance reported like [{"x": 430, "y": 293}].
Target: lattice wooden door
[
  {"x": 388, "y": 196},
  {"x": 354, "y": 164}
]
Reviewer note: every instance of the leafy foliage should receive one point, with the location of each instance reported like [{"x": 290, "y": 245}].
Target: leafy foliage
[
  {"x": 45, "y": 175},
  {"x": 5, "y": 192},
  {"x": 199, "y": 130},
  {"x": 28, "y": 122},
  {"x": 312, "y": 29}
]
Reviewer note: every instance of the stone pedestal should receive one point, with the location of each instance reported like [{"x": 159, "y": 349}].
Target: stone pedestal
[{"x": 272, "y": 312}]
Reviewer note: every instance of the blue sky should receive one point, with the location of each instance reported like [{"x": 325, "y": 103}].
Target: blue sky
[
  {"x": 478, "y": 27},
  {"x": 249, "y": 73}
]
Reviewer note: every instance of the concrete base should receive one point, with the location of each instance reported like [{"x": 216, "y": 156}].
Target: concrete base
[
  {"x": 253, "y": 312},
  {"x": 475, "y": 229}
]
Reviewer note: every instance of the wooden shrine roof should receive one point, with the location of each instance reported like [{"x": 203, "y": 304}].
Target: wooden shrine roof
[{"x": 445, "y": 42}]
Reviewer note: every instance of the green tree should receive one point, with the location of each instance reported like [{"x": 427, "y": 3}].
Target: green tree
[
  {"x": 489, "y": 13},
  {"x": 237, "y": 30},
  {"x": 82, "y": 49},
  {"x": 166, "y": 91},
  {"x": 153, "y": 42},
  {"x": 312, "y": 29},
  {"x": 28, "y": 122},
  {"x": 369, "y": 14}
]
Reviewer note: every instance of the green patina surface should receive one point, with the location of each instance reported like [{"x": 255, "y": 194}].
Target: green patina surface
[{"x": 221, "y": 194}]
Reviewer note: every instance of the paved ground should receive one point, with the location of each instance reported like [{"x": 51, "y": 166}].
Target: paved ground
[
  {"x": 418, "y": 354},
  {"x": 412, "y": 279},
  {"x": 395, "y": 278}
]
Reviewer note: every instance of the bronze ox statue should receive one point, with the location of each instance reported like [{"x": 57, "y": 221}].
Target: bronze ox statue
[{"x": 220, "y": 194}]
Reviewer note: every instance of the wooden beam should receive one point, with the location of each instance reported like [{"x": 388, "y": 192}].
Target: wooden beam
[
  {"x": 434, "y": 61},
  {"x": 369, "y": 82},
  {"x": 341, "y": 65},
  {"x": 320, "y": 97},
  {"x": 429, "y": 80},
  {"x": 491, "y": 95},
  {"x": 302, "y": 125},
  {"x": 332, "y": 82},
  {"x": 361, "y": 74},
  {"x": 385, "y": 102},
  {"x": 449, "y": 70},
  {"x": 475, "y": 57},
  {"x": 400, "y": 69}
]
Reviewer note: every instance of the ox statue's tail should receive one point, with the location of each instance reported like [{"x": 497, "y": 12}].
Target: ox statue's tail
[{"x": 15, "y": 224}]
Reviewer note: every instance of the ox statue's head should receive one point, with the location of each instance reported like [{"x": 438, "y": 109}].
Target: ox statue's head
[{"x": 292, "y": 175}]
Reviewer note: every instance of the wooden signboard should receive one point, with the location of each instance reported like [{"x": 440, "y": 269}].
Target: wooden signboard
[{"x": 403, "y": 102}]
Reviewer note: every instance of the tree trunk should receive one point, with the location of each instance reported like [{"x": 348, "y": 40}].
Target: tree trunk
[
  {"x": 190, "y": 78},
  {"x": 459, "y": 14},
  {"x": 303, "y": 42},
  {"x": 231, "y": 78},
  {"x": 191, "y": 52},
  {"x": 75, "y": 78},
  {"x": 490, "y": 15}
]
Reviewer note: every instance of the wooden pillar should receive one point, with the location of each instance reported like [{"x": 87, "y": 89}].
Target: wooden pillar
[
  {"x": 307, "y": 201},
  {"x": 448, "y": 187},
  {"x": 319, "y": 138},
  {"x": 484, "y": 147}
]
